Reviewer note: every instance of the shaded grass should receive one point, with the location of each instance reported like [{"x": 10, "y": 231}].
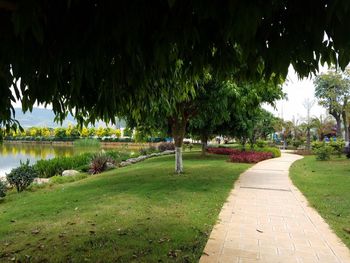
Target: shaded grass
[
  {"x": 140, "y": 213},
  {"x": 326, "y": 185}
]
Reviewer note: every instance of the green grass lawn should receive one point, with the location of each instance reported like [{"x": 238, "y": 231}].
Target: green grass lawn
[
  {"x": 326, "y": 185},
  {"x": 140, "y": 213}
]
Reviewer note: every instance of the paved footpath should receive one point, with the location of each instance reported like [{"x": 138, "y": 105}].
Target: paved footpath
[{"x": 267, "y": 219}]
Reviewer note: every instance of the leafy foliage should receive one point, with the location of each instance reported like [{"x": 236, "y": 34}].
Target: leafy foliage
[
  {"x": 22, "y": 176},
  {"x": 3, "y": 189},
  {"x": 55, "y": 55},
  {"x": 324, "y": 152},
  {"x": 333, "y": 92},
  {"x": 99, "y": 162},
  {"x": 55, "y": 166}
]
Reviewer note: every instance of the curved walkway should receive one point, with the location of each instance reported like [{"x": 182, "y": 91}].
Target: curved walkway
[{"x": 267, "y": 219}]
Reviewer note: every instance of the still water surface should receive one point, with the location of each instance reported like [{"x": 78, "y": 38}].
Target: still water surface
[{"x": 11, "y": 154}]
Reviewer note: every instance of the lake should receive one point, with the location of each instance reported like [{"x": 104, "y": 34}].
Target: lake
[{"x": 11, "y": 153}]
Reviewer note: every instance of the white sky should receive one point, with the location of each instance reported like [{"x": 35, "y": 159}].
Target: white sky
[{"x": 298, "y": 90}]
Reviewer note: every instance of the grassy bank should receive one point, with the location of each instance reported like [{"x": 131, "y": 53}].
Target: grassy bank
[
  {"x": 326, "y": 185},
  {"x": 140, "y": 213}
]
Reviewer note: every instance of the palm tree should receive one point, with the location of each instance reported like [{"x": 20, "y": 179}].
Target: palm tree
[{"x": 323, "y": 125}]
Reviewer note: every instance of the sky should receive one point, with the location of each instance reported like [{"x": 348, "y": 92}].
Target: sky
[{"x": 297, "y": 90}]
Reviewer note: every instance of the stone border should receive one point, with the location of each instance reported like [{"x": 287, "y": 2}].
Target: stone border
[{"x": 144, "y": 157}]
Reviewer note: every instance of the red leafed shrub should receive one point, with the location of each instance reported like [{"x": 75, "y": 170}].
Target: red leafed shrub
[
  {"x": 224, "y": 151},
  {"x": 249, "y": 157}
]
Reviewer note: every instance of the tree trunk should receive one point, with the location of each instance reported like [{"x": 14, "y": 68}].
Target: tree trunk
[
  {"x": 345, "y": 123},
  {"x": 338, "y": 120},
  {"x": 178, "y": 129},
  {"x": 308, "y": 138},
  {"x": 204, "y": 141}
]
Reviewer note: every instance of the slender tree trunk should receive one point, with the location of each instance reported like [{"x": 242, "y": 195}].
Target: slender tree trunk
[
  {"x": 204, "y": 141},
  {"x": 308, "y": 138},
  {"x": 338, "y": 120},
  {"x": 178, "y": 129},
  {"x": 345, "y": 123}
]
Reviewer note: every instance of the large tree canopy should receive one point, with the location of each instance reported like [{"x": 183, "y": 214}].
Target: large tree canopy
[{"x": 92, "y": 56}]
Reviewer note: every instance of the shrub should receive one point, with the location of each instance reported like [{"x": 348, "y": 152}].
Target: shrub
[
  {"x": 273, "y": 150},
  {"x": 22, "y": 176},
  {"x": 222, "y": 150},
  {"x": 3, "y": 189},
  {"x": 249, "y": 156},
  {"x": 297, "y": 143},
  {"x": 99, "y": 162},
  {"x": 166, "y": 146},
  {"x": 317, "y": 144},
  {"x": 55, "y": 166},
  {"x": 324, "y": 152},
  {"x": 338, "y": 147},
  {"x": 261, "y": 143}
]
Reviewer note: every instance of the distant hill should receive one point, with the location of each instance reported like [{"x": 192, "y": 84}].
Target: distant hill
[{"x": 45, "y": 118}]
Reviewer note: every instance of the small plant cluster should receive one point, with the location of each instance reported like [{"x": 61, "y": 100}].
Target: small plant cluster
[
  {"x": 55, "y": 166},
  {"x": 222, "y": 150},
  {"x": 99, "y": 163},
  {"x": 324, "y": 150},
  {"x": 166, "y": 146},
  {"x": 22, "y": 176},
  {"x": 249, "y": 156}
]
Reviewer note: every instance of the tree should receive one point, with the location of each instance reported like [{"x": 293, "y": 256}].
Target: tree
[
  {"x": 264, "y": 123},
  {"x": 118, "y": 133},
  {"x": 333, "y": 91},
  {"x": 93, "y": 57},
  {"x": 213, "y": 100},
  {"x": 244, "y": 111},
  {"x": 323, "y": 126},
  {"x": 84, "y": 132}
]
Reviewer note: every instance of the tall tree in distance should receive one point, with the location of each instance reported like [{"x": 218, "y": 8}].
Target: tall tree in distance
[
  {"x": 323, "y": 125},
  {"x": 333, "y": 91}
]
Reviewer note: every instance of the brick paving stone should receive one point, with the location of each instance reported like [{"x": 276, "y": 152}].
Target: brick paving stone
[{"x": 267, "y": 219}]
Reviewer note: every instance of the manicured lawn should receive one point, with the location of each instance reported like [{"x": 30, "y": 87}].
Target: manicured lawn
[
  {"x": 140, "y": 213},
  {"x": 326, "y": 185}
]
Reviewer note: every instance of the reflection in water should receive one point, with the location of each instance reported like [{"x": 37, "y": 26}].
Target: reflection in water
[{"x": 12, "y": 154}]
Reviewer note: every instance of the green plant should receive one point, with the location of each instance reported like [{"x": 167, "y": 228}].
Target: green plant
[
  {"x": 22, "y": 176},
  {"x": 55, "y": 166},
  {"x": 296, "y": 143},
  {"x": 317, "y": 144},
  {"x": 324, "y": 152},
  {"x": 3, "y": 189},
  {"x": 99, "y": 162},
  {"x": 87, "y": 142},
  {"x": 338, "y": 147},
  {"x": 261, "y": 143}
]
